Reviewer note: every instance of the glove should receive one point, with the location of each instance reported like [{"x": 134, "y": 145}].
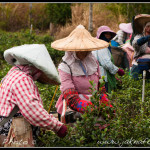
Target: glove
[
  {"x": 82, "y": 104},
  {"x": 62, "y": 131},
  {"x": 74, "y": 101},
  {"x": 120, "y": 72}
]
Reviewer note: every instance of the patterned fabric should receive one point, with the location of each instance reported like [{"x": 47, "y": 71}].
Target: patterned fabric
[
  {"x": 5, "y": 128},
  {"x": 139, "y": 50},
  {"x": 121, "y": 37},
  {"x": 68, "y": 82},
  {"x": 74, "y": 101},
  {"x": 104, "y": 100},
  {"x": 19, "y": 89}
]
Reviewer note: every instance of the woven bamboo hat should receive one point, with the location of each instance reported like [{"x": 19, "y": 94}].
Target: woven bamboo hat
[
  {"x": 79, "y": 40},
  {"x": 140, "y": 22}
]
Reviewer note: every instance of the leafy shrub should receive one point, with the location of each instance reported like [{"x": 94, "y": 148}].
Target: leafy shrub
[
  {"x": 129, "y": 127},
  {"x": 9, "y": 40}
]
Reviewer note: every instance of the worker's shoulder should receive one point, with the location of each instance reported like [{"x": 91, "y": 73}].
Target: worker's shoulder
[{"x": 21, "y": 76}]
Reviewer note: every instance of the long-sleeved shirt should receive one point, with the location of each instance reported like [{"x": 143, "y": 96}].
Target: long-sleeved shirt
[
  {"x": 104, "y": 58},
  {"x": 120, "y": 37},
  {"x": 80, "y": 83},
  {"x": 18, "y": 88}
]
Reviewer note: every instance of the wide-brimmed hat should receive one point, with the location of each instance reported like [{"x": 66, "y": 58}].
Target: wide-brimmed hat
[
  {"x": 102, "y": 29},
  {"x": 126, "y": 27},
  {"x": 140, "y": 22},
  {"x": 36, "y": 55},
  {"x": 79, "y": 40}
]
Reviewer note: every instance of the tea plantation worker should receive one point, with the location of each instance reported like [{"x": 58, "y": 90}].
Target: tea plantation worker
[
  {"x": 122, "y": 35},
  {"x": 105, "y": 59},
  {"x": 140, "y": 42},
  {"x": 78, "y": 67},
  {"x": 31, "y": 62}
]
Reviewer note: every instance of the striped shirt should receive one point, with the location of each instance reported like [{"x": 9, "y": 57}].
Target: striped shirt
[
  {"x": 18, "y": 88},
  {"x": 120, "y": 37}
]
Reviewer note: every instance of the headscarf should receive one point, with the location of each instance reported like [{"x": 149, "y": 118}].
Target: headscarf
[
  {"x": 31, "y": 70},
  {"x": 73, "y": 61}
]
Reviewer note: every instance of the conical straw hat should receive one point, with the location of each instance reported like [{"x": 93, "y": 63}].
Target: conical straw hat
[
  {"x": 140, "y": 21},
  {"x": 79, "y": 40}
]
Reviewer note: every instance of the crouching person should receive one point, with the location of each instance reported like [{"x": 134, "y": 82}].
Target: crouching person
[{"x": 20, "y": 98}]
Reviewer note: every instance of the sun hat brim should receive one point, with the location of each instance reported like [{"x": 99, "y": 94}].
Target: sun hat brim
[
  {"x": 140, "y": 22},
  {"x": 103, "y": 29},
  {"x": 113, "y": 34},
  {"x": 79, "y": 40},
  {"x": 126, "y": 27}
]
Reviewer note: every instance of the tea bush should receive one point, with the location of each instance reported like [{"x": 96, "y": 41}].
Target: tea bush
[
  {"x": 128, "y": 127},
  {"x": 11, "y": 39}
]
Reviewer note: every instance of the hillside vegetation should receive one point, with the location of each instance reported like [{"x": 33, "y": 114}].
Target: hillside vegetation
[
  {"x": 129, "y": 126},
  {"x": 16, "y": 16}
]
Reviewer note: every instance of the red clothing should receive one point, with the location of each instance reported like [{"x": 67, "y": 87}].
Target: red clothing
[{"x": 19, "y": 89}]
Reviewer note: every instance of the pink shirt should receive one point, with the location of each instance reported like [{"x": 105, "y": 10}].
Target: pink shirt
[
  {"x": 80, "y": 83},
  {"x": 19, "y": 89}
]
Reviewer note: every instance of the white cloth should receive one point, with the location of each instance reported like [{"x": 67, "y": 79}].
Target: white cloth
[
  {"x": 104, "y": 58},
  {"x": 34, "y": 54},
  {"x": 71, "y": 59}
]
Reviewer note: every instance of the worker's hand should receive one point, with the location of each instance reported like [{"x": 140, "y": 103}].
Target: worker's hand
[
  {"x": 62, "y": 131},
  {"x": 120, "y": 72}
]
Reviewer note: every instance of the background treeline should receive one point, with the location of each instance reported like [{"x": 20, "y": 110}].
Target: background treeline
[{"x": 60, "y": 18}]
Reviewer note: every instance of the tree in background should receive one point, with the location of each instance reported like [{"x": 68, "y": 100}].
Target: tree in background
[
  {"x": 90, "y": 28},
  {"x": 129, "y": 9},
  {"x": 59, "y": 13}
]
